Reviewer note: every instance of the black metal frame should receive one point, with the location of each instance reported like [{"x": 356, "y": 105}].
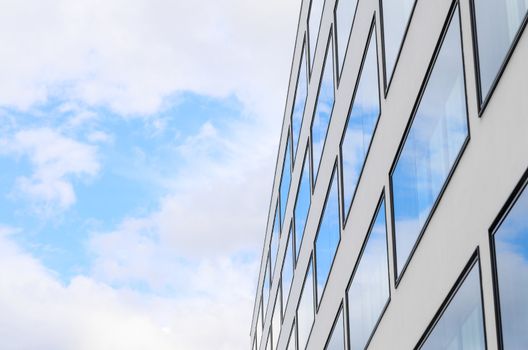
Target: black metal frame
[
  {"x": 503, "y": 214},
  {"x": 340, "y": 312},
  {"x": 453, "y": 10},
  {"x": 306, "y": 158},
  {"x": 474, "y": 260},
  {"x": 339, "y": 68}
]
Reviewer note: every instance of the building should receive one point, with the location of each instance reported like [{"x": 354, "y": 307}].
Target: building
[{"x": 399, "y": 209}]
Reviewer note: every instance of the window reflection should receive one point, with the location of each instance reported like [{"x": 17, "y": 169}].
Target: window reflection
[
  {"x": 328, "y": 237},
  {"x": 292, "y": 342},
  {"x": 276, "y": 322},
  {"x": 275, "y": 237},
  {"x": 323, "y": 110},
  {"x": 314, "y": 21},
  {"x": 258, "y": 329},
  {"x": 435, "y": 140},
  {"x": 461, "y": 325},
  {"x": 511, "y": 252},
  {"x": 337, "y": 338},
  {"x": 287, "y": 270},
  {"x": 497, "y": 24},
  {"x": 266, "y": 285},
  {"x": 396, "y": 16},
  {"x": 305, "y": 310},
  {"x": 299, "y": 102},
  {"x": 285, "y": 180},
  {"x": 345, "y": 12},
  {"x": 369, "y": 292},
  {"x": 361, "y": 123},
  {"x": 302, "y": 203}
]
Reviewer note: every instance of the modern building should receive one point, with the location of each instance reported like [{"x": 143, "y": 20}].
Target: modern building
[{"x": 399, "y": 210}]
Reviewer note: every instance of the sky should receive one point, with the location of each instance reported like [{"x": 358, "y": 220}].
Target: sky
[{"x": 138, "y": 142}]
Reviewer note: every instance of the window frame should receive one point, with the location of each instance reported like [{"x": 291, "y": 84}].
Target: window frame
[
  {"x": 339, "y": 69},
  {"x": 307, "y": 158},
  {"x": 305, "y": 54},
  {"x": 310, "y": 265},
  {"x": 312, "y": 59},
  {"x": 288, "y": 149},
  {"x": 290, "y": 239},
  {"x": 340, "y": 312}
]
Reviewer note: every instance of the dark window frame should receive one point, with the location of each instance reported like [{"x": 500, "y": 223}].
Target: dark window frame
[
  {"x": 339, "y": 70},
  {"x": 289, "y": 142},
  {"x": 304, "y": 49},
  {"x": 454, "y": 8},
  {"x": 290, "y": 238},
  {"x": 340, "y": 312},
  {"x": 312, "y": 59},
  {"x": 306, "y": 158},
  {"x": 310, "y": 265}
]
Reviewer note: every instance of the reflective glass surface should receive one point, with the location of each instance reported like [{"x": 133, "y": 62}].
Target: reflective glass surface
[
  {"x": 396, "y": 15},
  {"x": 361, "y": 123},
  {"x": 511, "y": 251},
  {"x": 305, "y": 310},
  {"x": 337, "y": 338},
  {"x": 369, "y": 290},
  {"x": 302, "y": 203},
  {"x": 268, "y": 346},
  {"x": 432, "y": 146},
  {"x": 314, "y": 21},
  {"x": 258, "y": 330},
  {"x": 323, "y": 110},
  {"x": 292, "y": 342},
  {"x": 345, "y": 11},
  {"x": 285, "y": 180},
  {"x": 266, "y": 286},
  {"x": 274, "y": 244},
  {"x": 299, "y": 102},
  {"x": 276, "y": 322},
  {"x": 461, "y": 325},
  {"x": 287, "y": 270},
  {"x": 328, "y": 236},
  {"x": 497, "y": 23}
]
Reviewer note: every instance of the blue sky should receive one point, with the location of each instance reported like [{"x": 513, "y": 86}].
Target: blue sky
[{"x": 137, "y": 145}]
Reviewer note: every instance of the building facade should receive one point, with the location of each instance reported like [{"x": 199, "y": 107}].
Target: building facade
[{"x": 399, "y": 214}]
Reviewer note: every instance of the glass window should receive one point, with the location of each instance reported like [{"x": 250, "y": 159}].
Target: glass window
[
  {"x": 292, "y": 342},
  {"x": 258, "y": 329},
  {"x": 276, "y": 322},
  {"x": 323, "y": 111},
  {"x": 337, "y": 336},
  {"x": 434, "y": 142},
  {"x": 287, "y": 270},
  {"x": 369, "y": 291},
  {"x": 275, "y": 237},
  {"x": 461, "y": 324},
  {"x": 266, "y": 285},
  {"x": 302, "y": 203},
  {"x": 362, "y": 120},
  {"x": 497, "y": 24},
  {"x": 306, "y": 309},
  {"x": 328, "y": 236},
  {"x": 345, "y": 13},
  {"x": 299, "y": 101},
  {"x": 314, "y": 21},
  {"x": 268, "y": 344},
  {"x": 396, "y": 16},
  {"x": 510, "y": 243},
  {"x": 285, "y": 180}
]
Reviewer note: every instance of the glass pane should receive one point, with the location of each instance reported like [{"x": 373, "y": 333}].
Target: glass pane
[
  {"x": 285, "y": 180},
  {"x": 369, "y": 290},
  {"x": 435, "y": 140},
  {"x": 323, "y": 110},
  {"x": 345, "y": 11},
  {"x": 361, "y": 123},
  {"x": 305, "y": 310},
  {"x": 337, "y": 338},
  {"x": 461, "y": 326},
  {"x": 396, "y": 15},
  {"x": 276, "y": 322},
  {"x": 292, "y": 343},
  {"x": 266, "y": 286},
  {"x": 275, "y": 237},
  {"x": 299, "y": 102},
  {"x": 511, "y": 250},
  {"x": 497, "y": 23},
  {"x": 302, "y": 204},
  {"x": 258, "y": 330},
  {"x": 287, "y": 270},
  {"x": 314, "y": 20},
  {"x": 268, "y": 346},
  {"x": 328, "y": 237}
]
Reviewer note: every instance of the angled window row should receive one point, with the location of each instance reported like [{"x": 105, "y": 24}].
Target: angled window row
[
  {"x": 345, "y": 13},
  {"x": 314, "y": 23}
]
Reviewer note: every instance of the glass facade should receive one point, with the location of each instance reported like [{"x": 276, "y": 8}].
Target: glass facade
[
  {"x": 276, "y": 322},
  {"x": 285, "y": 181},
  {"x": 328, "y": 236},
  {"x": 258, "y": 329},
  {"x": 362, "y": 120},
  {"x": 510, "y": 243},
  {"x": 461, "y": 324},
  {"x": 344, "y": 13},
  {"x": 292, "y": 341},
  {"x": 287, "y": 270},
  {"x": 302, "y": 203},
  {"x": 369, "y": 290},
  {"x": 274, "y": 244},
  {"x": 432, "y": 146},
  {"x": 306, "y": 309},
  {"x": 337, "y": 336},
  {"x": 266, "y": 286},
  {"x": 497, "y": 24},
  {"x": 301, "y": 92},
  {"x": 314, "y": 22}
]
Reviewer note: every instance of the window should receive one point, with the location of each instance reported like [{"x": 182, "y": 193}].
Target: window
[
  {"x": 302, "y": 203},
  {"x": 266, "y": 285},
  {"x": 336, "y": 341},
  {"x": 299, "y": 103},
  {"x": 268, "y": 343},
  {"x": 285, "y": 180},
  {"x": 396, "y": 15},
  {"x": 314, "y": 21},
  {"x": 369, "y": 292},
  {"x": 460, "y": 324},
  {"x": 497, "y": 25},
  {"x": 510, "y": 248},
  {"x": 323, "y": 110},
  {"x": 435, "y": 140},
  {"x": 276, "y": 322},
  {"x": 275, "y": 237},
  {"x": 328, "y": 236},
  {"x": 344, "y": 19},
  {"x": 258, "y": 329},
  {"x": 362, "y": 119},
  {"x": 287, "y": 271},
  {"x": 292, "y": 342},
  {"x": 306, "y": 309}
]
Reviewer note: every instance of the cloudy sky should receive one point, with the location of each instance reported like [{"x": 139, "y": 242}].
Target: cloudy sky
[{"x": 137, "y": 146}]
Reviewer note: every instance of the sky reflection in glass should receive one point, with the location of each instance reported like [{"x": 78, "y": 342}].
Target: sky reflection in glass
[
  {"x": 314, "y": 21},
  {"x": 275, "y": 237},
  {"x": 266, "y": 286},
  {"x": 337, "y": 338},
  {"x": 497, "y": 23},
  {"x": 511, "y": 251},
  {"x": 287, "y": 270},
  {"x": 302, "y": 203},
  {"x": 306, "y": 310},
  {"x": 299, "y": 102},
  {"x": 369, "y": 290},
  {"x": 276, "y": 322},
  {"x": 285, "y": 180},
  {"x": 328, "y": 237},
  {"x": 461, "y": 326},
  {"x": 258, "y": 329},
  {"x": 435, "y": 140},
  {"x": 361, "y": 123},
  {"x": 345, "y": 12}
]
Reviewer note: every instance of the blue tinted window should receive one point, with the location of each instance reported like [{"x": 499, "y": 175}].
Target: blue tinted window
[
  {"x": 345, "y": 11},
  {"x": 511, "y": 252},
  {"x": 285, "y": 180},
  {"x": 369, "y": 291},
  {"x": 274, "y": 244},
  {"x": 361, "y": 123},
  {"x": 323, "y": 110},
  {"x": 299, "y": 101},
  {"x": 434, "y": 142},
  {"x": 328, "y": 237},
  {"x": 461, "y": 324},
  {"x": 287, "y": 270},
  {"x": 314, "y": 21},
  {"x": 302, "y": 203},
  {"x": 337, "y": 337},
  {"x": 306, "y": 309}
]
